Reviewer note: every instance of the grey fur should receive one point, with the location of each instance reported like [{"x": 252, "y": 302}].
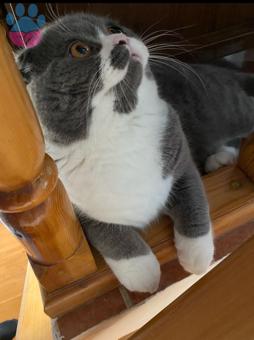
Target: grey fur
[
  {"x": 187, "y": 205},
  {"x": 127, "y": 95},
  {"x": 213, "y": 116},
  {"x": 119, "y": 57},
  {"x": 113, "y": 241},
  {"x": 205, "y": 119}
]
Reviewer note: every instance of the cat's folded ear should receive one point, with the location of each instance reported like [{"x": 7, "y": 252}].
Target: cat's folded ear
[{"x": 25, "y": 62}]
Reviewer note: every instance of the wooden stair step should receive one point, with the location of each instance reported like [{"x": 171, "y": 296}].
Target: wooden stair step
[{"x": 231, "y": 198}]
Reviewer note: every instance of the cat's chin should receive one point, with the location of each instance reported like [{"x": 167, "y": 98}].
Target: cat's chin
[
  {"x": 138, "y": 52},
  {"x": 137, "y": 57}
]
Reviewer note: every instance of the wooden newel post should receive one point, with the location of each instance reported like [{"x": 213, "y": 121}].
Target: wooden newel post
[{"x": 33, "y": 202}]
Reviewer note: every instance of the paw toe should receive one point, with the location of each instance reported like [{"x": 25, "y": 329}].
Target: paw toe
[
  {"x": 195, "y": 254},
  {"x": 138, "y": 274}
]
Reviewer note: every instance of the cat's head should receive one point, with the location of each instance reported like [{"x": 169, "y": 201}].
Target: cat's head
[{"x": 81, "y": 56}]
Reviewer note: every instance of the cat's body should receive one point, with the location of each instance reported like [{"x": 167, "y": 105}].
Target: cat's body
[
  {"x": 117, "y": 130},
  {"x": 119, "y": 165},
  {"x": 214, "y": 113}
]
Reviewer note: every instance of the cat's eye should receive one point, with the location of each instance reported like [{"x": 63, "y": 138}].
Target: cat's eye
[
  {"x": 79, "y": 50},
  {"x": 114, "y": 29}
]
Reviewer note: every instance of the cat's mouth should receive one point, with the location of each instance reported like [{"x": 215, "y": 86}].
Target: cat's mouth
[{"x": 135, "y": 55}]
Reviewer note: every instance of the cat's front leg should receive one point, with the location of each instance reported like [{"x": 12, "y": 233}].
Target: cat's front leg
[
  {"x": 188, "y": 207},
  {"x": 129, "y": 257}
]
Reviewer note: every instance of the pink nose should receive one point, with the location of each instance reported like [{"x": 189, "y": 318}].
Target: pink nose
[{"x": 120, "y": 39}]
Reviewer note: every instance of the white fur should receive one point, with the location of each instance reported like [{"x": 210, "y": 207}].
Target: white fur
[
  {"x": 195, "y": 254},
  {"x": 115, "y": 175},
  {"x": 226, "y": 155},
  {"x": 111, "y": 76},
  {"x": 138, "y": 274}
]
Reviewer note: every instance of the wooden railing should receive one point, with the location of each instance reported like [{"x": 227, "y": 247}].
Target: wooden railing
[{"x": 33, "y": 202}]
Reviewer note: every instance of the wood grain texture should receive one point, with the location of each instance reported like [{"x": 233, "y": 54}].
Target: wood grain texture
[
  {"x": 171, "y": 272},
  {"x": 191, "y": 19},
  {"x": 246, "y": 158},
  {"x": 233, "y": 14},
  {"x": 13, "y": 263},
  {"x": 140, "y": 16},
  {"x": 96, "y": 310},
  {"x": 21, "y": 140},
  {"x": 207, "y": 31},
  {"x": 33, "y": 202},
  {"x": 33, "y": 322},
  {"x": 219, "y": 306}
]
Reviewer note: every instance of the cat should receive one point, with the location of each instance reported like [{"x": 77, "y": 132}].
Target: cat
[{"x": 130, "y": 138}]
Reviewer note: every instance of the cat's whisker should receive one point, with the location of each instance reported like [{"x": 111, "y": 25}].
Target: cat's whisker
[
  {"x": 160, "y": 52},
  {"x": 147, "y": 41},
  {"x": 125, "y": 83},
  {"x": 149, "y": 27},
  {"x": 158, "y": 62},
  {"x": 51, "y": 11},
  {"x": 48, "y": 14},
  {"x": 63, "y": 27},
  {"x": 189, "y": 68},
  {"x": 182, "y": 45},
  {"x": 169, "y": 46},
  {"x": 182, "y": 72},
  {"x": 120, "y": 97},
  {"x": 55, "y": 16},
  {"x": 178, "y": 62},
  {"x": 93, "y": 85},
  {"x": 167, "y": 32},
  {"x": 173, "y": 32},
  {"x": 57, "y": 11}
]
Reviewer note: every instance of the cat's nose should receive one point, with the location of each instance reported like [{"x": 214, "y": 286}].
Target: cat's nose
[{"x": 120, "y": 39}]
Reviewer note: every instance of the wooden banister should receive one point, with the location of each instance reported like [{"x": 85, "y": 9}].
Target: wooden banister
[
  {"x": 33, "y": 202},
  {"x": 22, "y": 147}
]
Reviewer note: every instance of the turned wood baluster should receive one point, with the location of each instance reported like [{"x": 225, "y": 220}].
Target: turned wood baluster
[{"x": 33, "y": 202}]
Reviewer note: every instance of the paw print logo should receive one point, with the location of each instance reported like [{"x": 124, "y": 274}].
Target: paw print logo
[{"x": 25, "y": 30}]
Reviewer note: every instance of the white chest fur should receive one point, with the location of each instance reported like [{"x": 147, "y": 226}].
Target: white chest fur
[{"x": 115, "y": 175}]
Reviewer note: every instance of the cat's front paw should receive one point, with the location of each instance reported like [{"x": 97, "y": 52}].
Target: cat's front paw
[
  {"x": 137, "y": 274},
  {"x": 195, "y": 254},
  {"x": 226, "y": 155}
]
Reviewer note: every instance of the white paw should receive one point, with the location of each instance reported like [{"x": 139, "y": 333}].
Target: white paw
[
  {"x": 226, "y": 155},
  {"x": 137, "y": 274},
  {"x": 195, "y": 254}
]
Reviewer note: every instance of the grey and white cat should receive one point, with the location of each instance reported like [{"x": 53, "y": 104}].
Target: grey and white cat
[{"x": 129, "y": 137}]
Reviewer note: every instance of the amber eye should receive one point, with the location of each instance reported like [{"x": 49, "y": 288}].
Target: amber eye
[
  {"x": 114, "y": 29},
  {"x": 79, "y": 50}
]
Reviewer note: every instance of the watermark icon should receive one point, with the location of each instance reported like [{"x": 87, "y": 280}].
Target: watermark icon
[{"x": 25, "y": 30}]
